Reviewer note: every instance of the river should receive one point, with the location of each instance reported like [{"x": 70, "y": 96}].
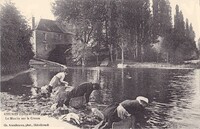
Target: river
[{"x": 174, "y": 94}]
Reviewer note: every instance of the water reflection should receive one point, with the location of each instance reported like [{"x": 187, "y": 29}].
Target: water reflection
[
  {"x": 15, "y": 86},
  {"x": 41, "y": 77},
  {"x": 174, "y": 94},
  {"x": 178, "y": 112}
]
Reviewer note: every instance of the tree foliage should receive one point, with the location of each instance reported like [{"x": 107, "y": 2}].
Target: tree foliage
[
  {"x": 125, "y": 27},
  {"x": 161, "y": 17},
  {"x": 16, "y": 48},
  {"x": 180, "y": 43},
  {"x": 85, "y": 15}
]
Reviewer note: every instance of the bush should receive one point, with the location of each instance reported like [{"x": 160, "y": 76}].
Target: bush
[{"x": 16, "y": 49}]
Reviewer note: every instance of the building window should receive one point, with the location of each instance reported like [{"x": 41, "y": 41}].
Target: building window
[
  {"x": 45, "y": 47},
  {"x": 60, "y": 36},
  {"x": 57, "y": 36},
  {"x": 45, "y": 36}
]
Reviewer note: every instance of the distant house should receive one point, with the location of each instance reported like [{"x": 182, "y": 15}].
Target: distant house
[{"x": 50, "y": 41}]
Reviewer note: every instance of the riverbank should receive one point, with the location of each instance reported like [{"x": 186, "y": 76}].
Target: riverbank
[
  {"x": 10, "y": 76},
  {"x": 34, "y": 63},
  {"x": 44, "y": 63},
  {"x": 163, "y": 65},
  {"x": 14, "y": 120},
  {"x": 23, "y": 110},
  {"x": 18, "y": 111},
  {"x": 188, "y": 64}
]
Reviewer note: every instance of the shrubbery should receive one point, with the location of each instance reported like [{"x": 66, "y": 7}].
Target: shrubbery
[{"x": 16, "y": 49}]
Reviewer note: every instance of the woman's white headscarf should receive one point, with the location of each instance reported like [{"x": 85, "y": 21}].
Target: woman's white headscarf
[{"x": 141, "y": 98}]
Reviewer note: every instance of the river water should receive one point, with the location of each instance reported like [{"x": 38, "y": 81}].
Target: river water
[{"x": 174, "y": 94}]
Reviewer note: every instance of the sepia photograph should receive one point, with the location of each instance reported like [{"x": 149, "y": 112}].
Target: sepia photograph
[{"x": 100, "y": 64}]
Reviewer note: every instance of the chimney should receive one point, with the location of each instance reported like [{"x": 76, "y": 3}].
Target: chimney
[{"x": 33, "y": 23}]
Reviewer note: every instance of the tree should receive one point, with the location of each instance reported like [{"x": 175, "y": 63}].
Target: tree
[
  {"x": 85, "y": 15},
  {"x": 180, "y": 42},
  {"x": 161, "y": 17},
  {"x": 191, "y": 32},
  {"x": 179, "y": 24},
  {"x": 187, "y": 31},
  {"x": 176, "y": 38},
  {"x": 162, "y": 24},
  {"x": 199, "y": 44},
  {"x": 15, "y": 37},
  {"x": 123, "y": 27},
  {"x": 136, "y": 20},
  {"x": 112, "y": 28}
]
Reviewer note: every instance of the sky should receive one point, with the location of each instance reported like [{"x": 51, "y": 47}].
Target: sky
[
  {"x": 37, "y": 8},
  {"x": 191, "y": 10},
  {"x": 42, "y": 9}
]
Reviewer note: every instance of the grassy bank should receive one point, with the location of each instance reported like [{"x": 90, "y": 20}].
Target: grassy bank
[{"x": 191, "y": 64}]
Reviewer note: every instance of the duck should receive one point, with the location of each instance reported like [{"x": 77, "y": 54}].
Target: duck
[{"x": 128, "y": 76}]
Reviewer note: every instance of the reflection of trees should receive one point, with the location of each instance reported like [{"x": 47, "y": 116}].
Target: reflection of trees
[
  {"x": 79, "y": 76},
  {"x": 157, "y": 84},
  {"x": 15, "y": 86},
  {"x": 40, "y": 77},
  {"x": 148, "y": 82},
  {"x": 195, "y": 101},
  {"x": 83, "y": 74},
  {"x": 183, "y": 87},
  {"x": 169, "y": 89},
  {"x": 152, "y": 83},
  {"x": 112, "y": 82},
  {"x": 114, "y": 85},
  {"x": 173, "y": 99},
  {"x": 122, "y": 82},
  {"x": 109, "y": 80}
]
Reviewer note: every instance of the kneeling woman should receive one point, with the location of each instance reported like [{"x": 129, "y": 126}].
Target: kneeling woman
[
  {"x": 84, "y": 89},
  {"x": 117, "y": 112}
]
